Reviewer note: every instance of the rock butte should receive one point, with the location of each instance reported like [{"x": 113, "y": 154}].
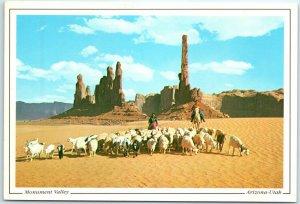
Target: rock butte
[{"x": 173, "y": 102}]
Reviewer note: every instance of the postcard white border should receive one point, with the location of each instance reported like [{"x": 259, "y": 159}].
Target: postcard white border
[{"x": 288, "y": 11}]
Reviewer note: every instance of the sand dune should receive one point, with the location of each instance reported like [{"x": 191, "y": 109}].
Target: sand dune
[{"x": 263, "y": 168}]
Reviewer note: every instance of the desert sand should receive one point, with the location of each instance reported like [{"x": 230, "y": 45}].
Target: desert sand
[{"x": 263, "y": 168}]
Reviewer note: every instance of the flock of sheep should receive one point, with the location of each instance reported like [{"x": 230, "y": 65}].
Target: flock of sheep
[{"x": 134, "y": 140}]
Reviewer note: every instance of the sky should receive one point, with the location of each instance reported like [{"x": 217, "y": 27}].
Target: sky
[{"x": 224, "y": 53}]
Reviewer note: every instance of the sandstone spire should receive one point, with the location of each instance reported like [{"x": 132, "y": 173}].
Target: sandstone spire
[{"x": 80, "y": 91}]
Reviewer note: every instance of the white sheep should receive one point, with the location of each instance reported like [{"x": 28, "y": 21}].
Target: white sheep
[
  {"x": 188, "y": 145},
  {"x": 119, "y": 143},
  {"x": 163, "y": 144},
  {"x": 73, "y": 141},
  {"x": 26, "y": 148},
  {"x": 92, "y": 146},
  {"x": 80, "y": 144},
  {"x": 235, "y": 142},
  {"x": 209, "y": 141},
  {"x": 35, "y": 149},
  {"x": 151, "y": 143},
  {"x": 50, "y": 151}
]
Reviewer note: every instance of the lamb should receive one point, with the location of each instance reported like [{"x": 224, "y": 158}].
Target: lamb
[
  {"x": 177, "y": 140},
  {"x": 101, "y": 139},
  {"x": 199, "y": 139},
  {"x": 73, "y": 141},
  {"x": 220, "y": 141},
  {"x": 50, "y": 151},
  {"x": 235, "y": 142},
  {"x": 26, "y": 148},
  {"x": 108, "y": 143},
  {"x": 89, "y": 138},
  {"x": 151, "y": 143},
  {"x": 35, "y": 149},
  {"x": 136, "y": 147},
  {"x": 80, "y": 144},
  {"x": 60, "y": 149},
  {"x": 169, "y": 134},
  {"x": 121, "y": 142},
  {"x": 188, "y": 145},
  {"x": 163, "y": 144},
  {"x": 209, "y": 141},
  {"x": 92, "y": 146}
]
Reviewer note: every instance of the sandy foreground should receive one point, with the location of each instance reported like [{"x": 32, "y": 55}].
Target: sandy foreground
[{"x": 263, "y": 168}]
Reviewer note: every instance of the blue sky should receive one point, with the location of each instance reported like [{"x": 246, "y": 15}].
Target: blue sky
[{"x": 225, "y": 53}]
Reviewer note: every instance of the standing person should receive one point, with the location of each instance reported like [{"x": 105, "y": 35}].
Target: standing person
[
  {"x": 152, "y": 122},
  {"x": 202, "y": 115}
]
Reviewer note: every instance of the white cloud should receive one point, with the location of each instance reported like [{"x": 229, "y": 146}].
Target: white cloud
[
  {"x": 225, "y": 67},
  {"x": 137, "y": 72},
  {"x": 240, "y": 26},
  {"x": 169, "y": 75},
  {"x": 111, "y": 25},
  {"x": 131, "y": 70},
  {"x": 80, "y": 29},
  {"x": 129, "y": 94},
  {"x": 158, "y": 29},
  {"x": 47, "y": 98},
  {"x": 115, "y": 58},
  {"x": 42, "y": 28},
  {"x": 89, "y": 50},
  {"x": 63, "y": 70},
  {"x": 169, "y": 29}
]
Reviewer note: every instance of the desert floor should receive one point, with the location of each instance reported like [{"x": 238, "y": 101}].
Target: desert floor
[{"x": 263, "y": 168}]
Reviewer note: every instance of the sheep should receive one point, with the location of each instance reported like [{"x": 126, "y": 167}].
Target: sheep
[
  {"x": 126, "y": 145},
  {"x": 136, "y": 147},
  {"x": 169, "y": 134},
  {"x": 191, "y": 131},
  {"x": 50, "y": 151},
  {"x": 163, "y": 144},
  {"x": 92, "y": 146},
  {"x": 35, "y": 149},
  {"x": 101, "y": 139},
  {"x": 73, "y": 141},
  {"x": 220, "y": 141},
  {"x": 89, "y": 138},
  {"x": 177, "y": 138},
  {"x": 199, "y": 139},
  {"x": 188, "y": 145},
  {"x": 235, "y": 142},
  {"x": 108, "y": 143},
  {"x": 209, "y": 141},
  {"x": 80, "y": 144},
  {"x": 151, "y": 143},
  {"x": 121, "y": 142},
  {"x": 60, "y": 149},
  {"x": 26, "y": 148}
]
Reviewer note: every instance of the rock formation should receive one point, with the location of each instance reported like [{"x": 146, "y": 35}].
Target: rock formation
[
  {"x": 119, "y": 97},
  {"x": 80, "y": 91},
  {"x": 247, "y": 103},
  {"x": 167, "y": 97},
  {"x": 109, "y": 92},
  {"x": 151, "y": 105},
  {"x": 139, "y": 101},
  {"x": 184, "y": 94}
]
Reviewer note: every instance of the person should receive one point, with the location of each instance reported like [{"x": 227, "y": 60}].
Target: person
[
  {"x": 202, "y": 115},
  {"x": 193, "y": 113},
  {"x": 152, "y": 122}
]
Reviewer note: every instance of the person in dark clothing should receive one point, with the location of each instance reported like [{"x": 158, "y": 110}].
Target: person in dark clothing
[
  {"x": 193, "y": 113},
  {"x": 152, "y": 122},
  {"x": 202, "y": 115}
]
